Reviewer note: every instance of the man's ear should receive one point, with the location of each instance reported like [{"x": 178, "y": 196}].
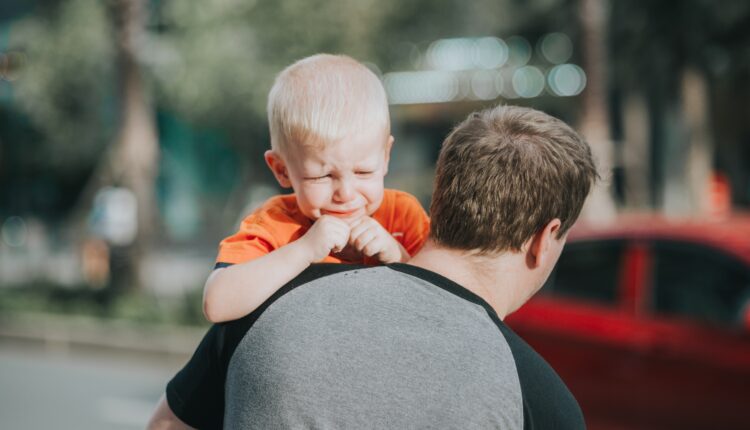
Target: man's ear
[
  {"x": 278, "y": 166},
  {"x": 388, "y": 146},
  {"x": 538, "y": 245}
]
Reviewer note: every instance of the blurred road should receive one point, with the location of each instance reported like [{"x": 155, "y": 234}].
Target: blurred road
[{"x": 43, "y": 387}]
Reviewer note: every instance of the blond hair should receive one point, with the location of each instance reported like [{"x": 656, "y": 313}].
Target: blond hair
[
  {"x": 324, "y": 98},
  {"x": 503, "y": 174}
]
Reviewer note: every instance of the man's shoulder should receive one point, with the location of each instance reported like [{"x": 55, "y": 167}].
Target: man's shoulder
[
  {"x": 321, "y": 270},
  {"x": 548, "y": 403},
  {"x": 352, "y": 285},
  {"x": 370, "y": 330},
  {"x": 232, "y": 332}
]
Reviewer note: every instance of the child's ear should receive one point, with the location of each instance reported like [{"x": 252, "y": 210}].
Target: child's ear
[
  {"x": 388, "y": 146},
  {"x": 277, "y": 165}
]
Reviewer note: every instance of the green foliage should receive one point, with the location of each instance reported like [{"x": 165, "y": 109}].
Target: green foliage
[
  {"x": 67, "y": 80},
  {"x": 213, "y": 61},
  {"x": 137, "y": 307},
  {"x": 204, "y": 61}
]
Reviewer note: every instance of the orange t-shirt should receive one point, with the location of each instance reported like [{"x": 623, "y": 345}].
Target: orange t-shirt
[{"x": 279, "y": 222}]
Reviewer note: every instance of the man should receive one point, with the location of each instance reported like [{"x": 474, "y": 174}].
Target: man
[{"x": 421, "y": 344}]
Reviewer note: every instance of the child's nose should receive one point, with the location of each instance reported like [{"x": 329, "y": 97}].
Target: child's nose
[{"x": 344, "y": 191}]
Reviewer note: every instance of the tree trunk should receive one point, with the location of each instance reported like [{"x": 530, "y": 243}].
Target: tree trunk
[
  {"x": 636, "y": 153},
  {"x": 594, "y": 122},
  {"x": 698, "y": 167},
  {"x": 136, "y": 151}
]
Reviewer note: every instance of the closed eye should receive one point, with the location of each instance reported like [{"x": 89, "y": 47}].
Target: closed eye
[
  {"x": 317, "y": 178},
  {"x": 364, "y": 173}
]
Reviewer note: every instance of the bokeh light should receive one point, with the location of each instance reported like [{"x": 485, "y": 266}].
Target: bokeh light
[
  {"x": 464, "y": 86},
  {"x": 491, "y": 52},
  {"x": 14, "y": 231},
  {"x": 566, "y": 80},
  {"x": 519, "y": 51},
  {"x": 467, "y": 54},
  {"x": 115, "y": 215},
  {"x": 499, "y": 83},
  {"x": 556, "y": 48},
  {"x": 421, "y": 87},
  {"x": 451, "y": 54},
  {"x": 483, "y": 85},
  {"x": 528, "y": 81}
]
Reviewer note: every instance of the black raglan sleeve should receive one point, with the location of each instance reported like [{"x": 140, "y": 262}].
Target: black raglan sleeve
[
  {"x": 547, "y": 401},
  {"x": 196, "y": 393}
]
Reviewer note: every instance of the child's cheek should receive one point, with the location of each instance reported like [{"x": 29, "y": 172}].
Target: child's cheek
[{"x": 374, "y": 195}]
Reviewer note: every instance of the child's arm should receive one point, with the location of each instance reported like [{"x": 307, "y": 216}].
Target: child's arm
[
  {"x": 370, "y": 238},
  {"x": 235, "y": 291}
]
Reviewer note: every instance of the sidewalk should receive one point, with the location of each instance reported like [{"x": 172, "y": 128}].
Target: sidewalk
[{"x": 74, "y": 332}]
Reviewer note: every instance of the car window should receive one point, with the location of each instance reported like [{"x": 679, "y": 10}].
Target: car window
[
  {"x": 699, "y": 282},
  {"x": 587, "y": 270}
]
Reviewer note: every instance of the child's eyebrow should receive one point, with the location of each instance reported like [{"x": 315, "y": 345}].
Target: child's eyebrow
[
  {"x": 371, "y": 162},
  {"x": 315, "y": 173}
]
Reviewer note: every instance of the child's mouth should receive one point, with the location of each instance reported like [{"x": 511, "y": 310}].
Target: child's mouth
[{"x": 341, "y": 214}]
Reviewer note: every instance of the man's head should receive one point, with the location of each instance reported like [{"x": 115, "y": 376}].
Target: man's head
[
  {"x": 504, "y": 177},
  {"x": 505, "y": 173},
  {"x": 330, "y": 135}
]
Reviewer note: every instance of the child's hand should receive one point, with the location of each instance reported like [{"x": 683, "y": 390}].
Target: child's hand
[
  {"x": 327, "y": 234},
  {"x": 371, "y": 239}
]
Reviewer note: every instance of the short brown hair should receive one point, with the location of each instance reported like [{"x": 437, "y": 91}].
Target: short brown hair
[{"x": 503, "y": 174}]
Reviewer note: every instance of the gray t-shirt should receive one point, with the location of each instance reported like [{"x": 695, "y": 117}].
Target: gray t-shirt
[{"x": 348, "y": 347}]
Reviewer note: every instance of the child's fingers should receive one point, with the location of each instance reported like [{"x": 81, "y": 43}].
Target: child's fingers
[
  {"x": 373, "y": 247},
  {"x": 357, "y": 221},
  {"x": 363, "y": 238},
  {"x": 364, "y": 233},
  {"x": 356, "y": 233},
  {"x": 364, "y": 224},
  {"x": 337, "y": 223},
  {"x": 340, "y": 238}
]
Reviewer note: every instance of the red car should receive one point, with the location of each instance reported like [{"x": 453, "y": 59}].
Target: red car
[{"x": 648, "y": 322}]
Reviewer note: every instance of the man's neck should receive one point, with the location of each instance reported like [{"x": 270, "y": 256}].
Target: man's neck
[{"x": 490, "y": 277}]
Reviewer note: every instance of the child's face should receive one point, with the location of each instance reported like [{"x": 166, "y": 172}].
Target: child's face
[{"x": 343, "y": 179}]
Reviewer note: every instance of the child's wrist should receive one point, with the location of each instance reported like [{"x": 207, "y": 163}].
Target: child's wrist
[{"x": 304, "y": 251}]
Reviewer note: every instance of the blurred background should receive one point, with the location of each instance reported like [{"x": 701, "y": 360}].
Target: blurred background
[{"x": 131, "y": 142}]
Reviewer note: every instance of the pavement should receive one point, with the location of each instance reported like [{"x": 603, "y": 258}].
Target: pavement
[{"x": 79, "y": 332}]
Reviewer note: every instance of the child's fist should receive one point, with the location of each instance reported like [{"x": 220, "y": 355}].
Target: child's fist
[
  {"x": 327, "y": 234},
  {"x": 370, "y": 238}
]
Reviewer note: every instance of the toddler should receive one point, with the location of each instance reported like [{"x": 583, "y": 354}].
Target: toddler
[{"x": 330, "y": 142}]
